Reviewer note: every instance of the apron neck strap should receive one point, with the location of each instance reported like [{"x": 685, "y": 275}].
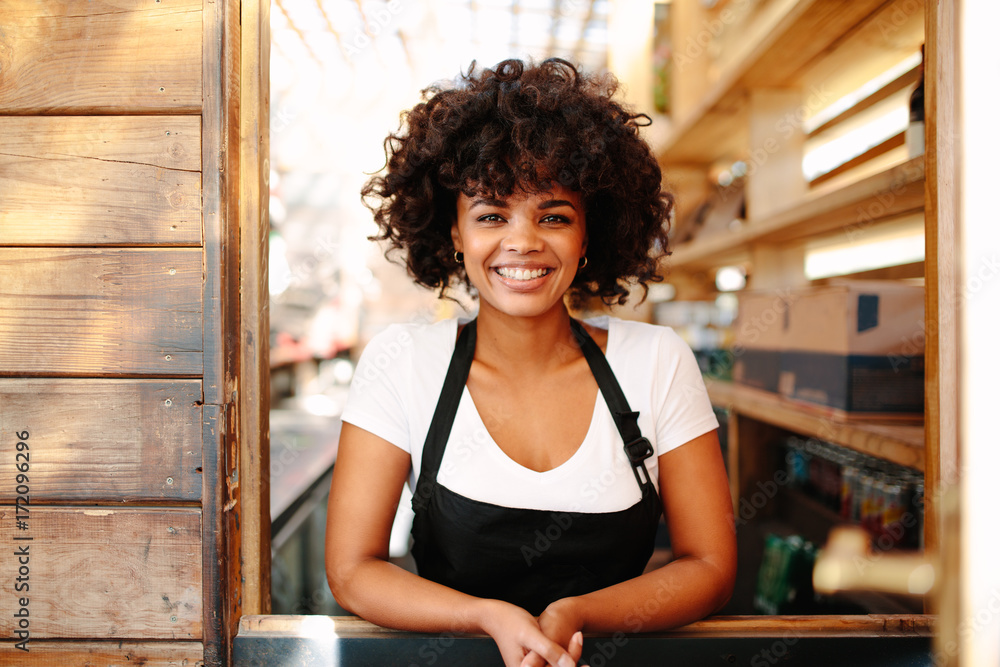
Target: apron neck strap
[
  {"x": 637, "y": 448},
  {"x": 444, "y": 413}
]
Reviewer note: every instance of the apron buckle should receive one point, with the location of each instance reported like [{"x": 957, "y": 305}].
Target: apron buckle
[{"x": 638, "y": 450}]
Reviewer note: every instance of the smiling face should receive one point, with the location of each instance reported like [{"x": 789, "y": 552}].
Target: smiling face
[{"x": 521, "y": 252}]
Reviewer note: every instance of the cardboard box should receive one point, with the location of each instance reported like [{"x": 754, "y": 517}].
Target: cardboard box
[
  {"x": 855, "y": 347},
  {"x": 760, "y": 336}
]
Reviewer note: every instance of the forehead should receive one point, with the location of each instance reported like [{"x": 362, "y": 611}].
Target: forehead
[{"x": 536, "y": 196}]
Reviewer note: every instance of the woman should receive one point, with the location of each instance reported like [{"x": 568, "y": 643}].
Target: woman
[{"x": 537, "y": 487}]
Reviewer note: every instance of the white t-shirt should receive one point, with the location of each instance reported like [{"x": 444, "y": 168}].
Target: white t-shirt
[{"x": 401, "y": 372}]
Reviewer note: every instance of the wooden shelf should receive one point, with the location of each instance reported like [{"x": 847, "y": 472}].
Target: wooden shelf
[
  {"x": 899, "y": 443},
  {"x": 889, "y": 193},
  {"x": 787, "y": 36}
]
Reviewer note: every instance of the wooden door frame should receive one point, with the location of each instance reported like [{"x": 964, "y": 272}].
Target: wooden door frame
[{"x": 236, "y": 168}]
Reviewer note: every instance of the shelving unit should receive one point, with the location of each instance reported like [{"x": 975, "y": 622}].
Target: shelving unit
[
  {"x": 781, "y": 39},
  {"x": 894, "y": 191},
  {"x": 782, "y": 60},
  {"x": 898, "y": 443}
]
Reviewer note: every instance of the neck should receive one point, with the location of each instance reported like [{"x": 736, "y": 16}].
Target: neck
[{"x": 525, "y": 346}]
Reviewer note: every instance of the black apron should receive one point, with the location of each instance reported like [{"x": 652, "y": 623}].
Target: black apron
[{"x": 529, "y": 557}]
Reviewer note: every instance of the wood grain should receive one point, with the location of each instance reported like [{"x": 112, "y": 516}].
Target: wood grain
[
  {"x": 899, "y": 443},
  {"x": 104, "y": 440},
  {"x": 108, "y": 654},
  {"x": 776, "y": 147},
  {"x": 253, "y": 411},
  {"x": 106, "y": 573},
  {"x": 82, "y": 180},
  {"x": 853, "y": 207},
  {"x": 222, "y": 578},
  {"x": 100, "y": 56},
  {"x": 98, "y": 312},
  {"x": 787, "y": 37},
  {"x": 835, "y": 625}
]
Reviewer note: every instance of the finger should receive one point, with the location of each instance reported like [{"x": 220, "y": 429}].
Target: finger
[
  {"x": 512, "y": 657},
  {"x": 575, "y": 648},
  {"x": 552, "y": 655},
  {"x": 533, "y": 660}
]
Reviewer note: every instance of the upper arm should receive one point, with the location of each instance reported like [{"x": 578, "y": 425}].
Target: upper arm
[
  {"x": 694, "y": 490},
  {"x": 368, "y": 479}
]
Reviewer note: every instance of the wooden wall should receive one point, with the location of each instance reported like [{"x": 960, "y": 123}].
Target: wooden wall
[{"x": 120, "y": 328}]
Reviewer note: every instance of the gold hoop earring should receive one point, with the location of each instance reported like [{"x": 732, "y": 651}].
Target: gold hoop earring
[
  {"x": 459, "y": 257},
  {"x": 583, "y": 262}
]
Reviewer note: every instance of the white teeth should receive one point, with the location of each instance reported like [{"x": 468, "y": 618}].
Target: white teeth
[{"x": 521, "y": 274}]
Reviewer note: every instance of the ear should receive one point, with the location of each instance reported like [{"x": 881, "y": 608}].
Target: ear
[{"x": 456, "y": 239}]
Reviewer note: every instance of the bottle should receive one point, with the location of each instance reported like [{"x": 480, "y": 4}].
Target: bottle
[{"x": 915, "y": 130}]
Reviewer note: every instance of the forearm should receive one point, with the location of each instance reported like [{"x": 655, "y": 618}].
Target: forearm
[
  {"x": 390, "y": 596},
  {"x": 683, "y": 591}
]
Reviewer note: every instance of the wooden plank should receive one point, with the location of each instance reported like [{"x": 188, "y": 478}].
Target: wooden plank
[
  {"x": 893, "y": 32},
  {"x": 105, "y": 573},
  {"x": 853, "y": 207},
  {"x": 255, "y": 372},
  {"x": 82, "y": 180},
  {"x": 104, "y": 440},
  {"x": 776, "y": 149},
  {"x": 108, "y": 654},
  {"x": 221, "y": 329},
  {"x": 784, "y": 41},
  {"x": 905, "y": 81},
  {"x": 94, "y": 312},
  {"x": 899, "y": 443},
  {"x": 213, "y": 546},
  {"x": 834, "y": 625},
  {"x": 944, "y": 295},
  {"x": 100, "y": 56}
]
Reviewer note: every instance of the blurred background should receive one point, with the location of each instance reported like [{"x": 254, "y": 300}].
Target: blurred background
[{"x": 793, "y": 141}]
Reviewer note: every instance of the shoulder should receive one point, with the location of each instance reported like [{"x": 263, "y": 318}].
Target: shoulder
[
  {"x": 402, "y": 349},
  {"x": 630, "y": 335},
  {"x": 397, "y": 339}
]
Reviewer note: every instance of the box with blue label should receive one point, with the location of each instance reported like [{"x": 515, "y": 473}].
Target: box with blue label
[{"x": 856, "y": 347}]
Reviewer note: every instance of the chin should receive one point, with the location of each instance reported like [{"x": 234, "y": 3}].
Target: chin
[{"x": 519, "y": 307}]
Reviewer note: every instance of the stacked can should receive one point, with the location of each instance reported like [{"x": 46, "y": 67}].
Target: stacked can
[
  {"x": 784, "y": 582},
  {"x": 885, "y": 498}
]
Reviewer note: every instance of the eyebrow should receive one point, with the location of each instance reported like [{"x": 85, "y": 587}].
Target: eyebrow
[
  {"x": 502, "y": 203},
  {"x": 489, "y": 201},
  {"x": 555, "y": 203}
]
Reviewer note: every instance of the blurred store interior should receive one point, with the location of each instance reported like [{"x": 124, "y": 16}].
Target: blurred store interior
[{"x": 797, "y": 130}]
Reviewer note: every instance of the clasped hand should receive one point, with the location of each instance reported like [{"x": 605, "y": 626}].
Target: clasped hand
[{"x": 553, "y": 639}]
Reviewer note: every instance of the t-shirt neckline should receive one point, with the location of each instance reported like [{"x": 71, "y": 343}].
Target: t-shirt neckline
[{"x": 468, "y": 405}]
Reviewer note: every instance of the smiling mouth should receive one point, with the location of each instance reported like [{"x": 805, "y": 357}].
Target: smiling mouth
[{"x": 521, "y": 274}]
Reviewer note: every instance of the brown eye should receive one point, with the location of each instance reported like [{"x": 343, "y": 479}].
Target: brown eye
[{"x": 559, "y": 219}]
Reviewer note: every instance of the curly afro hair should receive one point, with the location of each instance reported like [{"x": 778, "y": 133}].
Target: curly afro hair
[{"x": 521, "y": 127}]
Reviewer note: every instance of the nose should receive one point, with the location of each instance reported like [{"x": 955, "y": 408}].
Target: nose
[{"x": 522, "y": 236}]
